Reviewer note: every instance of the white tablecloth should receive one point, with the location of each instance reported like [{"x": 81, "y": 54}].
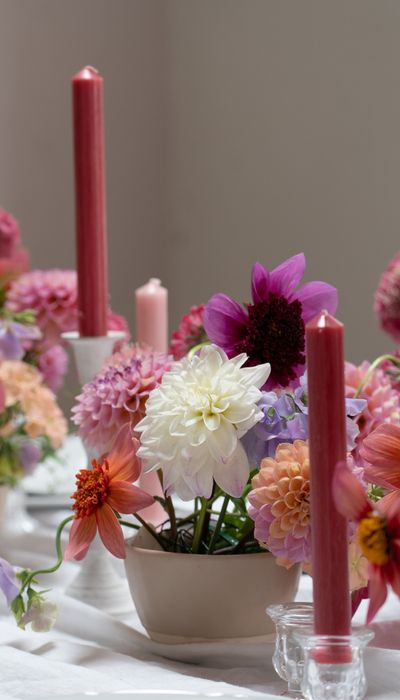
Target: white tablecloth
[{"x": 89, "y": 652}]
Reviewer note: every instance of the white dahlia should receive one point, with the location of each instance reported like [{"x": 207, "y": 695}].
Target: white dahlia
[{"x": 195, "y": 419}]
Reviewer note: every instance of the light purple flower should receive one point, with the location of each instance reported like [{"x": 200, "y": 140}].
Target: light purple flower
[
  {"x": 29, "y": 455},
  {"x": 13, "y": 336},
  {"x": 271, "y": 328},
  {"x": 8, "y": 581},
  {"x": 285, "y": 419}
]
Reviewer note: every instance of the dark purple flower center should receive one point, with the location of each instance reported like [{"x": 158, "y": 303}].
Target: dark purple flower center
[{"x": 275, "y": 333}]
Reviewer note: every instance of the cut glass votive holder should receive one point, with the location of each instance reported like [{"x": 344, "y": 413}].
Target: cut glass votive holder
[
  {"x": 288, "y": 657},
  {"x": 334, "y": 665}
]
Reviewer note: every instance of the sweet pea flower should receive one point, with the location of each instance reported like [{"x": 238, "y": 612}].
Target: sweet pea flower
[
  {"x": 42, "y": 614},
  {"x": 8, "y": 581},
  {"x": 13, "y": 335}
]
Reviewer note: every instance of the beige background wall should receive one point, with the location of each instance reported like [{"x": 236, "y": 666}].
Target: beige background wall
[{"x": 237, "y": 130}]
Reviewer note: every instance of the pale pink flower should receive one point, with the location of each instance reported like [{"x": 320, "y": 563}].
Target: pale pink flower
[
  {"x": 387, "y": 299},
  {"x": 280, "y": 503},
  {"x": 23, "y": 385},
  {"x": 383, "y": 400},
  {"x": 53, "y": 365},
  {"x": 190, "y": 332},
  {"x": 118, "y": 394}
]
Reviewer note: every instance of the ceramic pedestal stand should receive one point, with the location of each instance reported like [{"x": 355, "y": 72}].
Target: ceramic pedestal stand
[{"x": 97, "y": 582}]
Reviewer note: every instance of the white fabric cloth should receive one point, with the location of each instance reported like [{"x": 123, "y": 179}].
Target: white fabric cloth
[{"x": 89, "y": 652}]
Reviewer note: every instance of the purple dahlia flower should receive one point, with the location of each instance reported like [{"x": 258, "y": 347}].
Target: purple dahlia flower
[{"x": 271, "y": 328}]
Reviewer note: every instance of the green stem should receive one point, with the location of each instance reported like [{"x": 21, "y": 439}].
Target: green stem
[
  {"x": 57, "y": 565},
  {"x": 199, "y": 526},
  {"x": 218, "y": 526},
  {"x": 193, "y": 350},
  {"x": 150, "y": 530},
  {"x": 125, "y": 522},
  {"x": 169, "y": 507},
  {"x": 372, "y": 368}
]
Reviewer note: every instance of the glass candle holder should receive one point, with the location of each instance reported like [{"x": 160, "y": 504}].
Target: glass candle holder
[
  {"x": 334, "y": 665},
  {"x": 288, "y": 657}
]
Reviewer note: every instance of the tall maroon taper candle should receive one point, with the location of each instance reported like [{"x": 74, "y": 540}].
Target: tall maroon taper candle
[
  {"x": 327, "y": 426},
  {"x": 91, "y": 243}
]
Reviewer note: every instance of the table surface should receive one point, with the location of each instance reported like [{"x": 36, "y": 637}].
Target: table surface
[{"x": 91, "y": 654}]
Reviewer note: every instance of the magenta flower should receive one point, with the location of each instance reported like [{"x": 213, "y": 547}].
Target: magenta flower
[{"x": 272, "y": 328}]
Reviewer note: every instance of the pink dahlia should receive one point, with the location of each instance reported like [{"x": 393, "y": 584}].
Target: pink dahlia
[
  {"x": 280, "y": 503},
  {"x": 387, "y": 299},
  {"x": 53, "y": 295},
  {"x": 271, "y": 328},
  {"x": 190, "y": 332},
  {"x": 53, "y": 365},
  {"x": 383, "y": 400},
  {"x": 118, "y": 394},
  {"x": 9, "y": 234},
  {"x": 14, "y": 259}
]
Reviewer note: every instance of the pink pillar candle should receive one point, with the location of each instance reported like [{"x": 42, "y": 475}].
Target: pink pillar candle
[
  {"x": 152, "y": 315},
  {"x": 91, "y": 244},
  {"x": 327, "y": 427},
  {"x": 152, "y": 329}
]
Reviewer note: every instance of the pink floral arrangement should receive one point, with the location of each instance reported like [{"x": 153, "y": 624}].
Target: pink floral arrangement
[{"x": 225, "y": 424}]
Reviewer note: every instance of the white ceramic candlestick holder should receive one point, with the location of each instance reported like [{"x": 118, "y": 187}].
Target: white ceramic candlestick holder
[{"x": 97, "y": 582}]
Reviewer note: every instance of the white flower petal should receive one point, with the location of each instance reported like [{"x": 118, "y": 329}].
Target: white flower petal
[{"x": 232, "y": 476}]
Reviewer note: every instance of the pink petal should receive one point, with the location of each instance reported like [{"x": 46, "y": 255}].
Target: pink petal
[
  {"x": 259, "y": 283},
  {"x": 81, "y": 535},
  {"x": 382, "y": 449},
  {"x": 225, "y": 321},
  {"x": 110, "y": 531},
  {"x": 124, "y": 464},
  {"x": 285, "y": 278},
  {"x": 316, "y": 296},
  {"x": 348, "y": 494},
  {"x": 390, "y": 504},
  {"x": 377, "y": 592},
  {"x": 126, "y": 498}
]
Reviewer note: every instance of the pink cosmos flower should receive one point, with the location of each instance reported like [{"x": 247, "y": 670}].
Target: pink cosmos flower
[
  {"x": 190, "y": 332},
  {"x": 383, "y": 400},
  {"x": 271, "y": 328},
  {"x": 381, "y": 449},
  {"x": 378, "y": 535},
  {"x": 387, "y": 299},
  {"x": 100, "y": 492},
  {"x": 118, "y": 394}
]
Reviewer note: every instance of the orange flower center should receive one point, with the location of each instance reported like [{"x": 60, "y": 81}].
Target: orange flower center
[
  {"x": 92, "y": 488},
  {"x": 374, "y": 539}
]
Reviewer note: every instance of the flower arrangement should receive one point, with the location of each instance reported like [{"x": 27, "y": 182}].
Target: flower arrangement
[{"x": 225, "y": 425}]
